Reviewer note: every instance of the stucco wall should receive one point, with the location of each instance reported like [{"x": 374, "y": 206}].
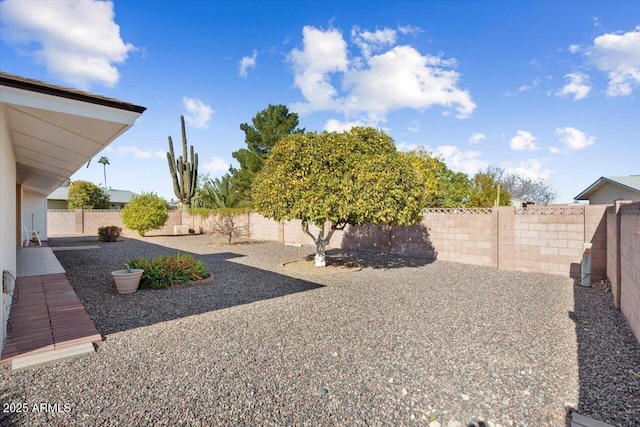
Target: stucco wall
[
  {"x": 608, "y": 193},
  {"x": 7, "y": 218}
]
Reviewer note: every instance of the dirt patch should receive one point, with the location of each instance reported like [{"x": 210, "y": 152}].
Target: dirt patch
[{"x": 307, "y": 266}]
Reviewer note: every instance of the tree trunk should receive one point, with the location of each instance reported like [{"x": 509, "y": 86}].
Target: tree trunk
[{"x": 321, "y": 243}]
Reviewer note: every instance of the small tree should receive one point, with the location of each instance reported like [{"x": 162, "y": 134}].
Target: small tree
[
  {"x": 216, "y": 193},
  {"x": 145, "y": 212},
  {"x": 354, "y": 177},
  {"x": 86, "y": 195},
  {"x": 228, "y": 223}
]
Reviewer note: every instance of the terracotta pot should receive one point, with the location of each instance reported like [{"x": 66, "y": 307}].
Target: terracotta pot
[{"x": 127, "y": 281}]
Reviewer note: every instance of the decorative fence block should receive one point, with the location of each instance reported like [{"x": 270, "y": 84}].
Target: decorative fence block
[
  {"x": 453, "y": 211},
  {"x": 551, "y": 210}
]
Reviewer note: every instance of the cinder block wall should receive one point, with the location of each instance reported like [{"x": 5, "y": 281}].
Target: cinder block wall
[
  {"x": 462, "y": 237},
  {"x": 263, "y": 228},
  {"x": 612, "y": 252},
  {"x": 546, "y": 240},
  {"x": 549, "y": 243},
  {"x": 595, "y": 232},
  {"x": 61, "y": 222},
  {"x": 630, "y": 265}
]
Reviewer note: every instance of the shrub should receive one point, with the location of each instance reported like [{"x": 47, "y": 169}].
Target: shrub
[
  {"x": 145, "y": 212},
  {"x": 109, "y": 233},
  {"x": 166, "y": 271}
]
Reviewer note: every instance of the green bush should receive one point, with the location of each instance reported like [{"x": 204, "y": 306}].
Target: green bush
[
  {"x": 166, "y": 271},
  {"x": 109, "y": 233},
  {"x": 145, "y": 212}
]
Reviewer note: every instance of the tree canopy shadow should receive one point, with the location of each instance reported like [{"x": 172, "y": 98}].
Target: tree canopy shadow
[
  {"x": 608, "y": 356},
  {"x": 89, "y": 272},
  {"x": 386, "y": 246}
]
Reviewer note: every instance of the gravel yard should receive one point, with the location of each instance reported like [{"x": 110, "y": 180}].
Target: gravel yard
[{"x": 404, "y": 341}]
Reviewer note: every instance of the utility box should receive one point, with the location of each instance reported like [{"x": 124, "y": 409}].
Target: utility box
[
  {"x": 180, "y": 229},
  {"x": 586, "y": 264}
]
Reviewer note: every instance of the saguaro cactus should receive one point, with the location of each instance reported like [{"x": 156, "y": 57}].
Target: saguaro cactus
[{"x": 183, "y": 172}]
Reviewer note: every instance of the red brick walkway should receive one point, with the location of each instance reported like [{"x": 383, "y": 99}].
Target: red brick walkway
[{"x": 47, "y": 316}]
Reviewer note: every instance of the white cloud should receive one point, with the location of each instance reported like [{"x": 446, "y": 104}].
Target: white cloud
[
  {"x": 138, "y": 153},
  {"x": 461, "y": 161},
  {"x": 525, "y": 87},
  {"x": 215, "y": 165},
  {"x": 574, "y": 138},
  {"x": 247, "y": 62},
  {"x": 578, "y": 86},
  {"x": 369, "y": 42},
  {"x": 530, "y": 168},
  {"x": 574, "y": 48},
  {"x": 554, "y": 150},
  {"x": 476, "y": 137},
  {"x": 523, "y": 141},
  {"x": 77, "y": 41},
  {"x": 618, "y": 55},
  {"x": 324, "y": 52},
  {"x": 406, "y": 146},
  {"x": 199, "y": 113},
  {"x": 414, "y": 126},
  {"x": 400, "y": 77},
  {"x": 410, "y": 29},
  {"x": 404, "y": 78},
  {"x": 334, "y": 125}
]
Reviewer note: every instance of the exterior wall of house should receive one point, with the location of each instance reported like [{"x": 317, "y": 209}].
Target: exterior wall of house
[
  {"x": 7, "y": 222},
  {"x": 34, "y": 213},
  {"x": 607, "y": 193},
  {"x": 56, "y": 204}
]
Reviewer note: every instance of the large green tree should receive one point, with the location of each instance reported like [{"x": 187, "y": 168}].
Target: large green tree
[
  {"x": 353, "y": 177},
  {"x": 539, "y": 191},
  {"x": 484, "y": 192},
  {"x": 267, "y": 128},
  {"x": 443, "y": 188},
  {"x": 86, "y": 195}
]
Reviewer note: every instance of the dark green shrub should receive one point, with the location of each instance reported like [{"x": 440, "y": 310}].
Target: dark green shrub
[
  {"x": 109, "y": 233},
  {"x": 166, "y": 271}
]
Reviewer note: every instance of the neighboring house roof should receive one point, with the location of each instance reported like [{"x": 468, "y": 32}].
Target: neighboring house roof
[
  {"x": 54, "y": 130},
  {"x": 630, "y": 182},
  {"x": 115, "y": 196}
]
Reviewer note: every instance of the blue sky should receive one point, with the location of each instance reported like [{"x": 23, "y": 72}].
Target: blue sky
[{"x": 546, "y": 89}]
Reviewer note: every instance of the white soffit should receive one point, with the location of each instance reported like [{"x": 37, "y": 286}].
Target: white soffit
[{"x": 53, "y": 136}]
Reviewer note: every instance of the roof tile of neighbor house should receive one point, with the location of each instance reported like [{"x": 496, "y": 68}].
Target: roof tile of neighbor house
[
  {"x": 19, "y": 82},
  {"x": 115, "y": 196},
  {"x": 631, "y": 182}
]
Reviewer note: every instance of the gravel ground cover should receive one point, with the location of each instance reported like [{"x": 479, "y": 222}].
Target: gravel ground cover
[{"x": 404, "y": 341}]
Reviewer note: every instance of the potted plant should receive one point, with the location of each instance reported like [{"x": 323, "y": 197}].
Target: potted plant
[{"x": 127, "y": 280}]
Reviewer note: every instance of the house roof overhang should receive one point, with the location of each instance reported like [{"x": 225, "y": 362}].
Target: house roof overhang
[{"x": 55, "y": 130}]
